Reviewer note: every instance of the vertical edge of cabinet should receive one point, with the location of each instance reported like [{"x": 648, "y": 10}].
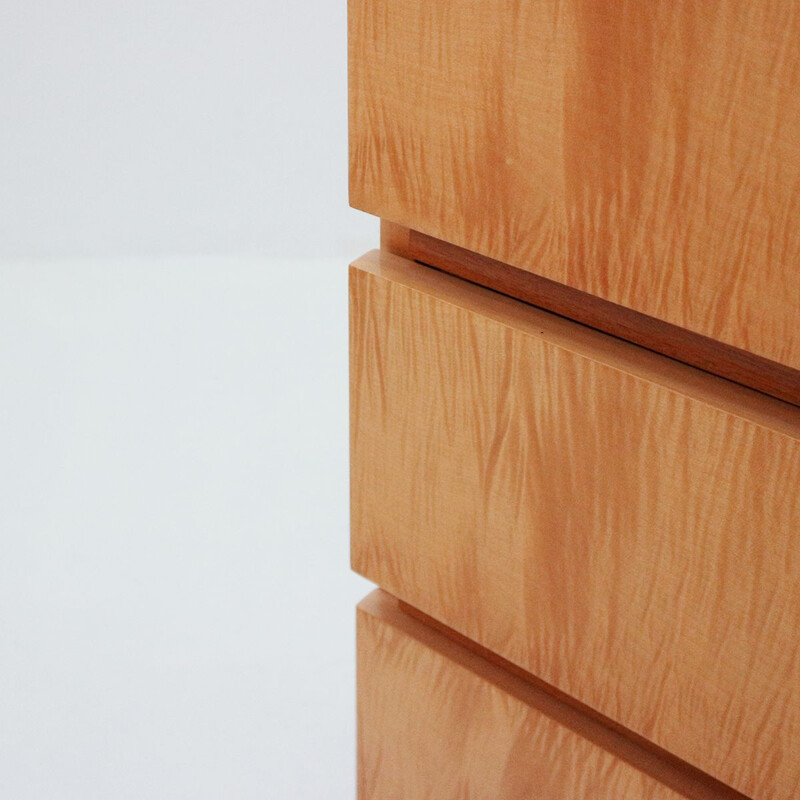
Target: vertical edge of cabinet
[
  {"x": 435, "y": 720},
  {"x": 619, "y": 525}
]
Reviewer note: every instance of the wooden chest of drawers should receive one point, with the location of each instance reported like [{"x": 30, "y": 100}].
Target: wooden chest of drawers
[{"x": 608, "y": 514}]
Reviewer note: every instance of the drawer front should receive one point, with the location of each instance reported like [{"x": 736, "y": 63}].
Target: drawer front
[
  {"x": 644, "y": 152},
  {"x": 620, "y": 525},
  {"x": 437, "y": 721}
]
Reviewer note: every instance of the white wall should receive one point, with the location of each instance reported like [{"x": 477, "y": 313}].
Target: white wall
[{"x": 170, "y": 127}]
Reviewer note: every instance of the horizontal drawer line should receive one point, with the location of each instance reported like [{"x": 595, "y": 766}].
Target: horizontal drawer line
[
  {"x": 599, "y": 729},
  {"x": 548, "y": 701},
  {"x": 653, "y": 334}
]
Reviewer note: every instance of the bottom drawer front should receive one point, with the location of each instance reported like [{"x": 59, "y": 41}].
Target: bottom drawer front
[
  {"x": 623, "y": 527},
  {"x": 437, "y": 721}
]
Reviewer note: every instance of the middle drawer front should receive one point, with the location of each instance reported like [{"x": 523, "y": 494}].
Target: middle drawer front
[{"x": 620, "y": 525}]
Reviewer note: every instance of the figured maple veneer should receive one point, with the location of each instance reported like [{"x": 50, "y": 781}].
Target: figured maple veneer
[
  {"x": 620, "y": 525},
  {"x": 644, "y": 152},
  {"x": 438, "y": 722}
]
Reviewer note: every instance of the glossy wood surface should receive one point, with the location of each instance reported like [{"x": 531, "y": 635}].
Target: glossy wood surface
[
  {"x": 437, "y": 721},
  {"x": 644, "y": 152},
  {"x": 622, "y": 526}
]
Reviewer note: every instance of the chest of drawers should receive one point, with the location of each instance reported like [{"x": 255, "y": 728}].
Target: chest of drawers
[{"x": 575, "y": 378}]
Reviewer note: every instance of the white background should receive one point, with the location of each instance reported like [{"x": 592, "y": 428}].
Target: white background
[{"x": 176, "y": 606}]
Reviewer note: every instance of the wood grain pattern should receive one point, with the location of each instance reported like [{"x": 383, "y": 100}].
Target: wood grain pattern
[
  {"x": 644, "y": 152},
  {"x": 691, "y": 348},
  {"x": 620, "y": 525},
  {"x": 437, "y": 721}
]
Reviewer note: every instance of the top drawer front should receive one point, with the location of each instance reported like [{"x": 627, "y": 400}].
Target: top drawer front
[
  {"x": 645, "y": 152},
  {"x": 622, "y": 526}
]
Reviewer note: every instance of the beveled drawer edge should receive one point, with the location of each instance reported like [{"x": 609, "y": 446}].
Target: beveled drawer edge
[
  {"x": 586, "y": 342},
  {"x": 701, "y": 352}
]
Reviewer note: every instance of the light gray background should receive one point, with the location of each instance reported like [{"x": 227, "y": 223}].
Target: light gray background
[
  {"x": 175, "y": 126},
  {"x": 176, "y": 607}
]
